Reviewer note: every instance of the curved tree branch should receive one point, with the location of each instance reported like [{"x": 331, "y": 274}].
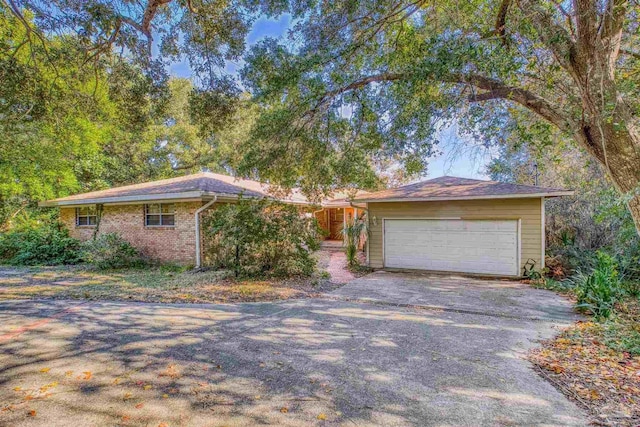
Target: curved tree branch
[
  {"x": 501, "y": 20},
  {"x": 494, "y": 89},
  {"x": 150, "y": 13}
]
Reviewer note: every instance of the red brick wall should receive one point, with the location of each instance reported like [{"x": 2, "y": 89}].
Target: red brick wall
[{"x": 166, "y": 244}]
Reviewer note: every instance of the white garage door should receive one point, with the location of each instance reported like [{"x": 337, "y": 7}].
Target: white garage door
[{"x": 466, "y": 246}]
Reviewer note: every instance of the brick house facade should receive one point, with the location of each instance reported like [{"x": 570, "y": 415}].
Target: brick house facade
[
  {"x": 174, "y": 244},
  {"x": 123, "y": 212}
]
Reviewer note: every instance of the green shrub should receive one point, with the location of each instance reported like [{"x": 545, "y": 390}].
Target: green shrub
[
  {"x": 110, "y": 251},
  {"x": 354, "y": 233},
  {"x": 263, "y": 237},
  {"x": 599, "y": 290},
  {"x": 48, "y": 244}
]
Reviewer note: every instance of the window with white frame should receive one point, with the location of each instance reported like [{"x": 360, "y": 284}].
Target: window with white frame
[
  {"x": 86, "y": 215},
  {"x": 160, "y": 215}
]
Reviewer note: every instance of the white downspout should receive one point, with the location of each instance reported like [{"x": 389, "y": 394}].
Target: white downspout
[{"x": 197, "y": 214}]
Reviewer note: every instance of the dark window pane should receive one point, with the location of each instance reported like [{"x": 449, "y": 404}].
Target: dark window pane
[
  {"x": 153, "y": 219},
  {"x": 92, "y": 220},
  {"x": 168, "y": 220},
  {"x": 82, "y": 220}
]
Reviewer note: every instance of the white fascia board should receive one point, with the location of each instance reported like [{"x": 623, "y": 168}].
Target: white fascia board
[
  {"x": 184, "y": 196},
  {"x": 187, "y": 196},
  {"x": 443, "y": 199}
]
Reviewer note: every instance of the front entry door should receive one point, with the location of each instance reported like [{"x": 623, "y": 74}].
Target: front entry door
[{"x": 336, "y": 223}]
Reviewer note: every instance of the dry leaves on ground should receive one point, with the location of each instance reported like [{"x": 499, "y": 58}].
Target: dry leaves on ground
[{"x": 604, "y": 381}]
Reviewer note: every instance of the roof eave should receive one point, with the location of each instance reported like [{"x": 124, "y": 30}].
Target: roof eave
[
  {"x": 144, "y": 198},
  {"x": 182, "y": 196},
  {"x": 443, "y": 199}
]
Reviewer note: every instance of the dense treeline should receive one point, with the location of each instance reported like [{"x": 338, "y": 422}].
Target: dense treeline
[{"x": 67, "y": 126}]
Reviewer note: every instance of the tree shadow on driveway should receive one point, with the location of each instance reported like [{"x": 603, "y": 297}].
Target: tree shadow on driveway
[{"x": 298, "y": 362}]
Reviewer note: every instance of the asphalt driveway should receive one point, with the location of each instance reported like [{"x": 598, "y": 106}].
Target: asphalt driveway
[{"x": 424, "y": 351}]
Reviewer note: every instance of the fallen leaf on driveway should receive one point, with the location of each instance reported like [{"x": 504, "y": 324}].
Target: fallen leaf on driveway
[
  {"x": 284, "y": 410},
  {"x": 139, "y": 405},
  {"x": 172, "y": 371},
  {"x": 32, "y": 413},
  {"x": 321, "y": 417},
  {"x": 45, "y": 370}
]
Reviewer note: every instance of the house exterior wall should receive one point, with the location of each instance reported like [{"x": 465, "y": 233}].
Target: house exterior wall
[
  {"x": 528, "y": 210},
  {"x": 165, "y": 244}
]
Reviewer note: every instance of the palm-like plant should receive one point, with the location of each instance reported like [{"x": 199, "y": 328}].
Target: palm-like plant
[{"x": 354, "y": 232}]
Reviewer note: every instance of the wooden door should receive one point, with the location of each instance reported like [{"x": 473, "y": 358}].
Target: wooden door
[{"x": 336, "y": 223}]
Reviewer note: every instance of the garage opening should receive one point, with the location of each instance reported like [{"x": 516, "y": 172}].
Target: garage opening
[{"x": 456, "y": 245}]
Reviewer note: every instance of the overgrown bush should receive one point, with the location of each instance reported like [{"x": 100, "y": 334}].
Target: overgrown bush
[
  {"x": 48, "y": 243},
  {"x": 600, "y": 289},
  {"x": 110, "y": 251},
  {"x": 260, "y": 237}
]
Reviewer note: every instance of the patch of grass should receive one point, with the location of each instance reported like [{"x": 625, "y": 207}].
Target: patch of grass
[
  {"x": 152, "y": 284},
  {"x": 552, "y": 285}
]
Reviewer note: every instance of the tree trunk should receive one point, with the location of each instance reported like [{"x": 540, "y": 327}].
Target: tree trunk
[{"x": 618, "y": 150}]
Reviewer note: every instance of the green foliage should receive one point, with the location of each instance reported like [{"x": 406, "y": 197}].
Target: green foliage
[
  {"x": 261, "y": 237},
  {"x": 622, "y": 330},
  {"x": 355, "y": 233},
  {"x": 600, "y": 289},
  {"x": 554, "y": 285},
  {"x": 529, "y": 271},
  {"x": 110, "y": 251},
  {"x": 67, "y": 126},
  {"x": 47, "y": 244}
]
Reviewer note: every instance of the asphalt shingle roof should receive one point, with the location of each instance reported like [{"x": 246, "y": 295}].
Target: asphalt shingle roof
[
  {"x": 205, "y": 182},
  {"x": 450, "y": 187}
]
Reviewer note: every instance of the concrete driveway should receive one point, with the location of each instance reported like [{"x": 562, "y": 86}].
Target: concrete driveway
[{"x": 338, "y": 360}]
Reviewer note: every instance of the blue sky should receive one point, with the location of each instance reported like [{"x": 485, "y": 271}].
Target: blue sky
[{"x": 455, "y": 159}]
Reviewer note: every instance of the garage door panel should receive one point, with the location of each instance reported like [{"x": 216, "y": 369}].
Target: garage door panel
[{"x": 469, "y": 246}]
